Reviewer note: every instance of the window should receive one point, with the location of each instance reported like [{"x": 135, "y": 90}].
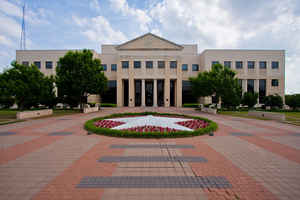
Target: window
[
  {"x": 250, "y": 85},
  {"x": 48, "y": 64},
  {"x": 125, "y": 64},
  {"x": 275, "y": 64},
  {"x": 262, "y": 65},
  {"x": 184, "y": 67},
  {"x": 113, "y": 67},
  {"x": 214, "y": 63},
  {"x": 173, "y": 64},
  {"x": 239, "y": 64},
  {"x": 104, "y": 67},
  {"x": 240, "y": 82},
  {"x": 227, "y": 64},
  {"x": 38, "y": 64},
  {"x": 161, "y": 64},
  {"x": 57, "y": 64},
  {"x": 195, "y": 67},
  {"x": 251, "y": 64},
  {"x": 26, "y": 63},
  {"x": 137, "y": 64},
  {"x": 275, "y": 82},
  {"x": 149, "y": 64}
]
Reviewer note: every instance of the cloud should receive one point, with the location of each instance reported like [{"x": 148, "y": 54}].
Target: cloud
[
  {"x": 5, "y": 41},
  {"x": 98, "y": 29},
  {"x": 94, "y": 4},
  {"x": 135, "y": 14}
]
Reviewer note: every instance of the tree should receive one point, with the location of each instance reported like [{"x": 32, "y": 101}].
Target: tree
[
  {"x": 219, "y": 81},
  {"x": 274, "y": 101},
  {"x": 6, "y": 100},
  {"x": 26, "y": 84},
  {"x": 78, "y": 76},
  {"x": 250, "y": 99},
  {"x": 293, "y": 101}
]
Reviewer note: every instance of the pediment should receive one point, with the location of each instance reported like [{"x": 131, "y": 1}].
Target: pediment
[{"x": 149, "y": 41}]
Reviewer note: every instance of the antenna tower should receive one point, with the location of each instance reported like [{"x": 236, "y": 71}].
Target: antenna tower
[{"x": 23, "y": 33}]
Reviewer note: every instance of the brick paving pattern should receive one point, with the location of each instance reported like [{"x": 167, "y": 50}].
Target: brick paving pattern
[{"x": 245, "y": 159}]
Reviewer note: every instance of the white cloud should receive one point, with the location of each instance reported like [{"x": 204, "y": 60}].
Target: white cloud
[
  {"x": 94, "y": 4},
  {"x": 5, "y": 41},
  {"x": 98, "y": 29},
  {"x": 135, "y": 14},
  {"x": 10, "y": 8},
  {"x": 9, "y": 26}
]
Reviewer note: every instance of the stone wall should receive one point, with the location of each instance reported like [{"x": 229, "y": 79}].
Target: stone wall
[
  {"x": 34, "y": 114},
  {"x": 90, "y": 109}
]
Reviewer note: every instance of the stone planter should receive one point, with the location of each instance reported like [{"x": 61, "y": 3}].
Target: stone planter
[
  {"x": 268, "y": 115},
  {"x": 34, "y": 114},
  {"x": 90, "y": 109},
  {"x": 209, "y": 110}
]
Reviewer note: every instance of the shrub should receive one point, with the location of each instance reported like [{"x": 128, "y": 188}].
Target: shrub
[
  {"x": 293, "y": 101},
  {"x": 249, "y": 99},
  {"x": 191, "y": 105},
  {"x": 89, "y": 126},
  {"x": 108, "y": 105},
  {"x": 273, "y": 101}
]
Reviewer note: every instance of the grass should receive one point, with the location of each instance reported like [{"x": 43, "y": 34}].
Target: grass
[
  {"x": 8, "y": 116},
  {"x": 291, "y": 117},
  {"x": 89, "y": 126}
]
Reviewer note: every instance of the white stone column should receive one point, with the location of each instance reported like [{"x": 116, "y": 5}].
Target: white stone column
[
  {"x": 143, "y": 92},
  {"x": 154, "y": 92},
  {"x": 119, "y": 92},
  {"x": 178, "y": 93},
  {"x": 167, "y": 92},
  {"x": 131, "y": 92},
  {"x": 244, "y": 85}
]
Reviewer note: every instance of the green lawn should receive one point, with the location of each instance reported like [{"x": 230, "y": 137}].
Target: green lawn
[
  {"x": 9, "y": 116},
  {"x": 291, "y": 117}
]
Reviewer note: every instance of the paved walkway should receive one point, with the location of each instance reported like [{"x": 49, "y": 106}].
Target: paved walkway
[{"x": 54, "y": 158}]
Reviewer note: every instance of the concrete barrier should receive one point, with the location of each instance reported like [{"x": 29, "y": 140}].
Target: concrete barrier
[
  {"x": 90, "y": 109},
  {"x": 209, "y": 110},
  {"x": 34, "y": 113},
  {"x": 268, "y": 115}
]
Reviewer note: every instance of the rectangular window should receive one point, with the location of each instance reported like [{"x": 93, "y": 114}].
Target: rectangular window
[
  {"x": 26, "y": 63},
  {"x": 275, "y": 64},
  {"x": 184, "y": 67},
  {"x": 214, "y": 63},
  {"x": 173, "y": 64},
  {"x": 104, "y": 67},
  {"x": 195, "y": 67},
  {"x": 240, "y": 82},
  {"x": 125, "y": 64},
  {"x": 275, "y": 82},
  {"x": 161, "y": 64},
  {"x": 251, "y": 64},
  {"x": 113, "y": 67},
  {"x": 149, "y": 64},
  {"x": 48, "y": 64},
  {"x": 262, "y": 65},
  {"x": 38, "y": 64},
  {"x": 227, "y": 64},
  {"x": 250, "y": 85},
  {"x": 137, "y": 64},
  {"x": 239, "y": 64}
]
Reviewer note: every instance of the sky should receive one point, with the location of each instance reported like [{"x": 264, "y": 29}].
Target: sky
[{"x": 211, "y": 24}]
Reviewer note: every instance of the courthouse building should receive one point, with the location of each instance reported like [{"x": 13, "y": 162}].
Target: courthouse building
[{"x": 152, "y": 71}]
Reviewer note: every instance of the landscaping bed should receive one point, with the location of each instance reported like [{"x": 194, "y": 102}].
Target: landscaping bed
[{"x": 150, "y": 125}]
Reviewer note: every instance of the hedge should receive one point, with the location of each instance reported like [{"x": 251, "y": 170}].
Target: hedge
[
  {"x": 90, "y": 127},
  {"x": 108, "y": 105},
  {"x": 191, "y": 105}
]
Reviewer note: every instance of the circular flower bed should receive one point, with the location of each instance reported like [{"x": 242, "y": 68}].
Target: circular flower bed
[{"x": 150, "y": 124}]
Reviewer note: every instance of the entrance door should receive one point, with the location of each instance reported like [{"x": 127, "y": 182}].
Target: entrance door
[
  {"x": 160, "y": 92},
  {"x": 125, "y": 92},
  {"x": 172, "y": 92},
  {"x": 149, "y": 93},
  {"x": 138, "y": 92}
]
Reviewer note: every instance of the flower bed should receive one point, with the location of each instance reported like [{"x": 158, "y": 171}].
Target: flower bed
[{"x": 136, "y": 125}]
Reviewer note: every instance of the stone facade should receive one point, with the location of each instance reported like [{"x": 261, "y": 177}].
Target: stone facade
[{"x": 151, "y": 71}]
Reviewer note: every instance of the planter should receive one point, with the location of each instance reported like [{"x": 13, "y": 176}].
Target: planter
[
  {"x": 209, "y": 110},
  {"x": 90, "y": 109},
  {"x": 34, "y": 114},
  {"x": 267, "y": 115}
]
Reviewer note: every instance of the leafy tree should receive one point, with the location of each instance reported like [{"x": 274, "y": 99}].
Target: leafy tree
[
  {"x": 250, "y": 99},
  {"x": 6, "y": 100},
  {"x": 293, "y": 101},
  {"x": 274, "y": 101},
  {"x": 219, "y": 81},
  {"x": 79, "y": 75},
  {"x": 25, "y": 84}
]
